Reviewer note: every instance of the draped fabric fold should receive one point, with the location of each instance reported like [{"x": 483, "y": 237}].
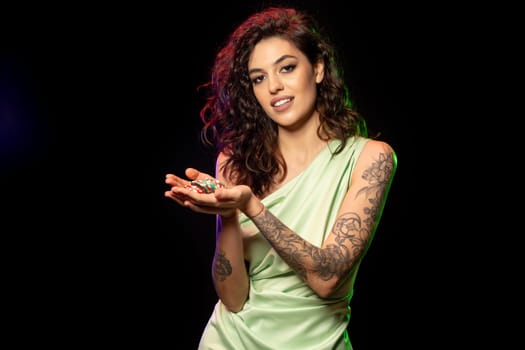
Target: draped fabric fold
[{"x": 282, "y": 312}]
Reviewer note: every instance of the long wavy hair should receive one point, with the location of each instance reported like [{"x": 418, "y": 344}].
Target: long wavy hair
[{"x": 236, "y": 124}]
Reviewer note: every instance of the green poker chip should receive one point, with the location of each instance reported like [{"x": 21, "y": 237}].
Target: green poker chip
[{"x": 204, "y": 186}]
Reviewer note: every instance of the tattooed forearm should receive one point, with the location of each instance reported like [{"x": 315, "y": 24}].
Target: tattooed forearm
[
  {"x": 221, "y": 267},
  {"x": 352, "y": 230},
  {"x": 348, "y": 227},
  {"x": 334, "y": 260},
  {"x": 292, "y": 248}
]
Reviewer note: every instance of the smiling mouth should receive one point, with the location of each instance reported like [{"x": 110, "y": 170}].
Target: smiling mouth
[{"x": 281, "y": 102}]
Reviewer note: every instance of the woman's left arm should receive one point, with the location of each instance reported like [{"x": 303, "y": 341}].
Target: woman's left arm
[{"x": 326, "y": 268}]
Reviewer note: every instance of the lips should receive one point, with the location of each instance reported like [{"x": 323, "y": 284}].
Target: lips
[{"x": 281, "y": 101}]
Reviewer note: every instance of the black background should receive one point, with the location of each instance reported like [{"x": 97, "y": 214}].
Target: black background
[{"x": 98, "y": 103}]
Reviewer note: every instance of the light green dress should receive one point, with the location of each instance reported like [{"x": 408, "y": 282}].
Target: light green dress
[{"x": 282, "y": 312}]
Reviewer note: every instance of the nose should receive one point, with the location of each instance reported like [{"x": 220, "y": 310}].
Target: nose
[{"x": 274, "y": 84}]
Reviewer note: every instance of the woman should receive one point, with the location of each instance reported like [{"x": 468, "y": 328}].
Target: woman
[{"x": 298, "y": 191}]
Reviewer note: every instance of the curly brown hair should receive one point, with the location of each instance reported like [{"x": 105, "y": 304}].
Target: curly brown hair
[{"x": 235, "y": 122}]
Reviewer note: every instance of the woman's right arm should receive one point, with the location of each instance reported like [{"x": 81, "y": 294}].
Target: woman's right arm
[{"x": 229, "y": 272}]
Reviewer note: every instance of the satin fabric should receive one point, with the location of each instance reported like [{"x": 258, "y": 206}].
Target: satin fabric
[{"x": 282, "y": 312}]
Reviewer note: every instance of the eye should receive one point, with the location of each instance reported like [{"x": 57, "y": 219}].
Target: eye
[
  {"x": 257, "y": 79},
  {"x": 288, "y": 68}
]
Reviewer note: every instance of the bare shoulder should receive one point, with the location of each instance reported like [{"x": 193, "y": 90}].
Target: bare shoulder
[
  {"x": 378, "y": 159},
  {"x": 376, "y": 148}
]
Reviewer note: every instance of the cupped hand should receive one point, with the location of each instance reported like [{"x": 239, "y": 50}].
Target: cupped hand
[
  {"x": 175, "y": 181},
  {"x": 191, "y": 173},
  {"x": 223, "y": 201}
]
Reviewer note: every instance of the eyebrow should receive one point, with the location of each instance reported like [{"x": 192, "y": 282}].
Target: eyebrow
[{"x": 277, "y": 61}]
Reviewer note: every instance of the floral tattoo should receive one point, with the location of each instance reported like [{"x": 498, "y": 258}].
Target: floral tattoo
[{"x": 335, "y": 259}]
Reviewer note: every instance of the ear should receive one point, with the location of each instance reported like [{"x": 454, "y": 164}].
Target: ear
[{"x": 319, "y": 71}]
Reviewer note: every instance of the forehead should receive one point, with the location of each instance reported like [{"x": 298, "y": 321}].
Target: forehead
[{"x": 269, "y": 50}]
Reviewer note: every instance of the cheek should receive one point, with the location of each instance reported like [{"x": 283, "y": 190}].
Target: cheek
[
  {"x": 309, "y": 95},
  {"x": 308, "y": 87},
  {"x": 262, "y": 98},
  {"x": 304, "y": 83},
  {"x": 260, "y": 95}
]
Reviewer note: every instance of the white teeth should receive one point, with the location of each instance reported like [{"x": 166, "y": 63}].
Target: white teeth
[{"x": 281, "y": 102}]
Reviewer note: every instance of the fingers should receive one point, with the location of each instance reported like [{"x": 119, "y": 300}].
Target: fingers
[
  {"x": 207, "y": 207},
  {"x": 191, "y": 174},
  {"x": 203, "y": 202},
  {"x": 173, "y": 196},
  {"x": 174, "y": 180},
  {"x": 186, "y": 194},
  {"x": 194, "y": 174}
]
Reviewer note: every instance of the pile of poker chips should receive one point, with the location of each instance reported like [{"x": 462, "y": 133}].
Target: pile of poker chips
[{"x": 204, "y": 186}]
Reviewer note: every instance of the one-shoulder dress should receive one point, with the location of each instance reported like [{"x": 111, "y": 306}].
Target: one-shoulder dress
[{"x": 282, "y": 312}]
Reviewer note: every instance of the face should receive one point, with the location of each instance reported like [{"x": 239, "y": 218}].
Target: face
[{"x": 284, "y": 82}]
